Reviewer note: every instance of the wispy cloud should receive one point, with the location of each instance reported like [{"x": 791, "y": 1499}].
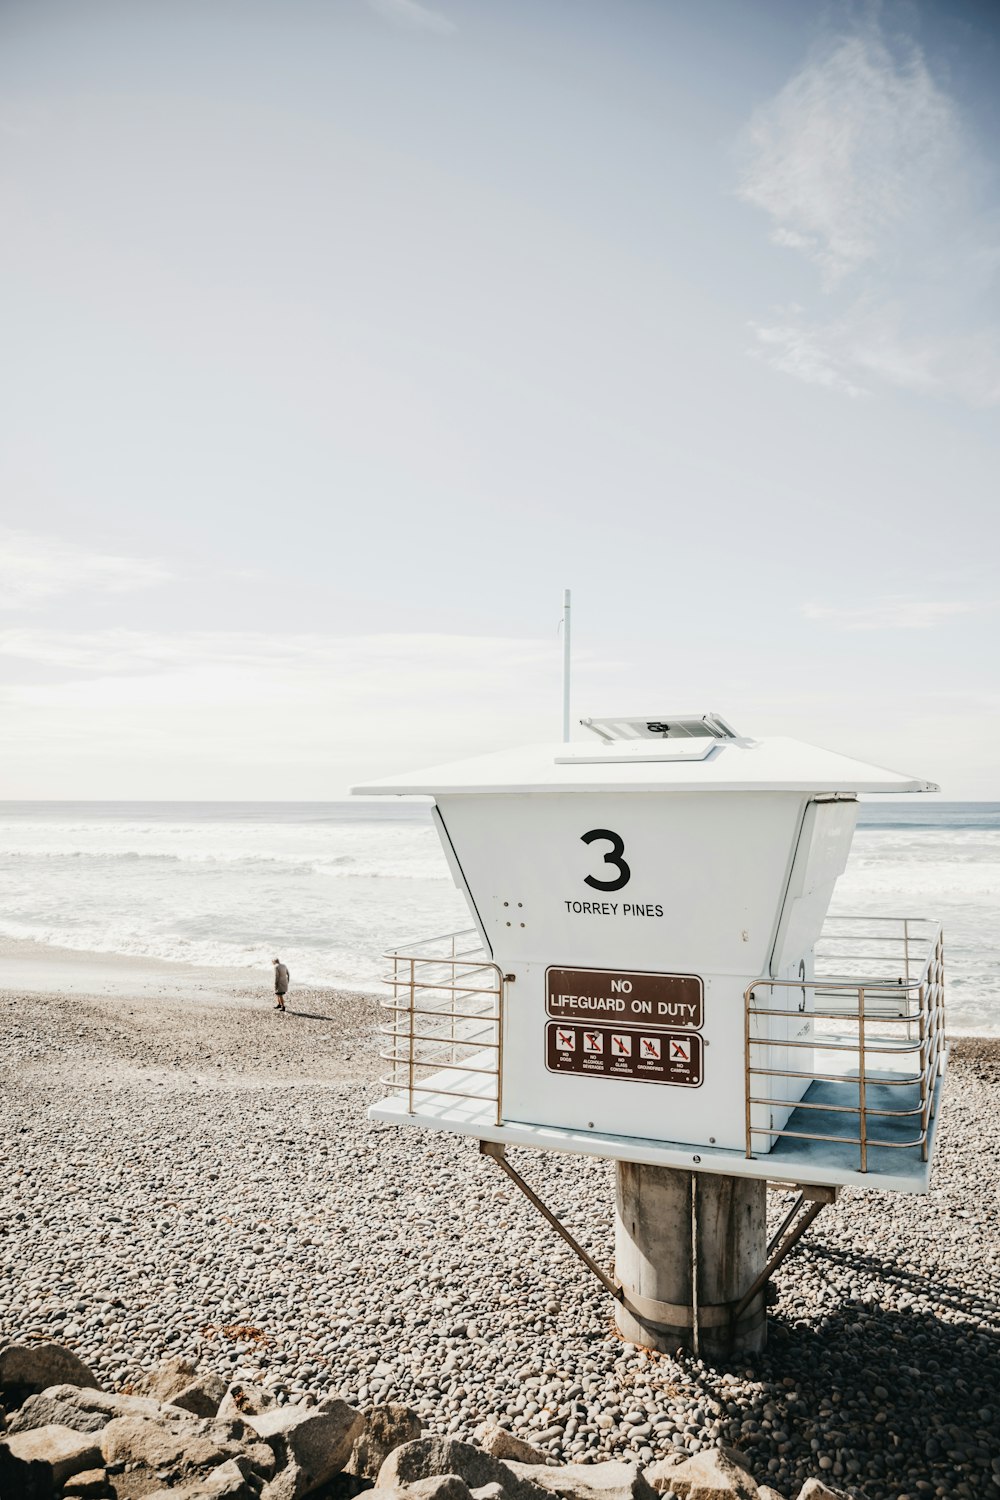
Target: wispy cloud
[
  {"x": 413, "y": 16},
  {"x": 849, "y": 149},
  {"x": 35, "y": 568},
  {"x": 869, "y": 345},
  {"x": 863, "y": 165},
  {"x": 896, "y": 612}
]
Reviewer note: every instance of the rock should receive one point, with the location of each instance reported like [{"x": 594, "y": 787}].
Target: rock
[
  {"x": 709, "y": 1475},
  {"x": 89, "y": 1484},
  {"x": 84, "y": 1410},
  {"x": 740, "y": 1459},
  {"x": 426, "y": 1457},
  {"x": 437, "y": 1487},
  {"x": 227, "y": 1482},
  {"x": 202, "y": 1397},
  {"x": 167, "y": 1379},
  {"x": 503, "y": 1444},
  {"x": 611, "y": 1480},
  {"x": 311, "y": 1444},
  {"x": 815, "y": 1489},
  {"x": 44, "y": 1411},
  {"x": 65, "y": 1451},
  {"x": 33, "y": 1367},
  {"x": 26, "y": 1478},
  {"x": 153, "y": 1445},
  {"x": 488, "y": 1492},
  {"x": 765, "y": 1492},
  {"x": 243, "y": 1400},
  {"x": 386, "y": 1428}
]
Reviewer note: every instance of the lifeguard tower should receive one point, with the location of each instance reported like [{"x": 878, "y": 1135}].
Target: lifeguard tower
[{"x": 652, "y": 977}]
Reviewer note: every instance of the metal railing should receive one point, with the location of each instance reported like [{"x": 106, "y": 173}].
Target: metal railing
[
  {"x": 445, "y": 1026},
  {"x": 895, "y": 948},
  {"x": 894, "y": 1015}
]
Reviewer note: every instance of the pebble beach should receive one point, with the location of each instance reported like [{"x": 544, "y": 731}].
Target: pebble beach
[{"x": 194, "y": 1174}]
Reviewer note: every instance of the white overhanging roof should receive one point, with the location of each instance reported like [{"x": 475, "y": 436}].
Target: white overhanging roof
[{"x": 653, "y": 765}]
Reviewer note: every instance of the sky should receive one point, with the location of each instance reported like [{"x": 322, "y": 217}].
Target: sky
[{"x": 341, "y": 336}]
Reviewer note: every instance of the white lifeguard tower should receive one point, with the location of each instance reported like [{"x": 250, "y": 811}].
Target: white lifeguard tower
[{"x": 652, "y": 977}]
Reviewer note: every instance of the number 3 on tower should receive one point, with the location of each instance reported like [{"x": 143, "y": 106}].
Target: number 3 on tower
[{"x": 614, "y": 858}]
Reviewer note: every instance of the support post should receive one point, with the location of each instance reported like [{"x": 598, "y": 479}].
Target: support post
[{"x": 688, "y": 1246}]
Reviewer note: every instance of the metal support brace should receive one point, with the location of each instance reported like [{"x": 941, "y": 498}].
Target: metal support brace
[
  {"x": 818, "y": 1198},
  {"x": 496, "y": 1150}
]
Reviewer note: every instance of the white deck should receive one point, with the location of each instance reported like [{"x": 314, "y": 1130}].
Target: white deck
[{"x": 823, "y": 1163}]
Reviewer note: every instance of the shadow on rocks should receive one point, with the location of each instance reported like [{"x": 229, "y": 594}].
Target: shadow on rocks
[{"x": 891, "y": 1402}]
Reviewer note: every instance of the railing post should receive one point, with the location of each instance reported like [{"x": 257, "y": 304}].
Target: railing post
[
  {"x": 748, "y": 996},
  {"x": 500, "y": 1002},
  {"x": 863, "y": 1125},
  {"x": 926, "y": 1047},
  {"x": 413, "y": 1001}
]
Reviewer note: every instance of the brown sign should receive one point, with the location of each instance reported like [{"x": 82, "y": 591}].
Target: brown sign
[
  {"x": 619, "y": 996},
  {"x": 638, "y": 1055}
]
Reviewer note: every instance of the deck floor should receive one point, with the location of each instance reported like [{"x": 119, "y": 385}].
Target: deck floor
[{"x": 895, "y": 1165}]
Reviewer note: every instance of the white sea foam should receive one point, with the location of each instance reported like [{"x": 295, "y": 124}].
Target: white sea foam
[{"x": 331, "y": 887}]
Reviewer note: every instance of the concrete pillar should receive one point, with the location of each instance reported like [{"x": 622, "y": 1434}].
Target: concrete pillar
[{"x": 674, "y": 1298}]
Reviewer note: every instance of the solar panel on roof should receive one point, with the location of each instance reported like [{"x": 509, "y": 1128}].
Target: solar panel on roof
[{"x": 662, "y": 727}]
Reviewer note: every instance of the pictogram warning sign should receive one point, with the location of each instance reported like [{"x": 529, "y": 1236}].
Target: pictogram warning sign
[{"x": 663, "y": 1057}]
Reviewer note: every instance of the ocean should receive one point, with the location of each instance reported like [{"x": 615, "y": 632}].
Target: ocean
[{"x": 330, "y": 886}]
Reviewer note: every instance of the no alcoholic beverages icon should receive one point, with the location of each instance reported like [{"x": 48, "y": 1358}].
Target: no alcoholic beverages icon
[{"x": 593, "y": 1042}]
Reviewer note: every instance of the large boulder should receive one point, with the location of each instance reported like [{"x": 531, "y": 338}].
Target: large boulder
[
  {"x": 26, "y": 1478},
  {"x": 709, "y": 1475},
  {"x": 202, "y": 1396},
  {"x": 167, "y": 1379},
  {"x": 438, "y": 1487},
  {"x": 176, "y": 1381},
  {"x": 815, "y": 1489},
  {"x": 182, "y": 1447},
  {"x": 89, "y": 1484},
  {"x": 611, "y": 1480},
  {"x": 46, "y": 1411},
  {"x": 33, "y": 1367},
  {"x": 429, "y": 1456},
  {"x": 386, "y": 1428},
  {"x": 242, "y": 1400},
  {"x": 310, "y": 1443},
  {"x": 83, "y": 1409},
  {"x": 65, "y": 1451},
  {"x": 157, "y": 1446},
  {"x": 227, "y": 1482},
  {"x": 502, "y": 1443}
]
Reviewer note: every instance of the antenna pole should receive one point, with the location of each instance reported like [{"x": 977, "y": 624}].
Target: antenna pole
[{"x": 566, "y": 666}]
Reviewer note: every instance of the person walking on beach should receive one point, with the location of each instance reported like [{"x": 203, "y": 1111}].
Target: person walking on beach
[{"x": 280, "y": 982}]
